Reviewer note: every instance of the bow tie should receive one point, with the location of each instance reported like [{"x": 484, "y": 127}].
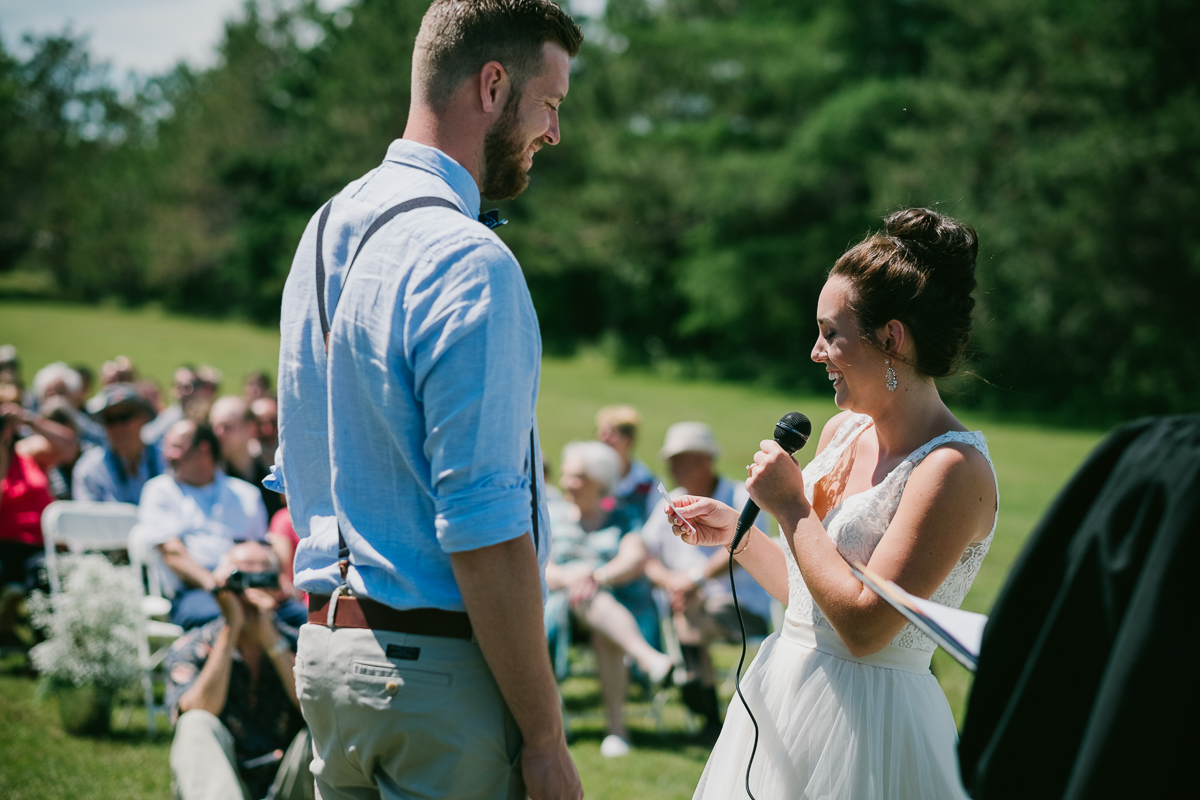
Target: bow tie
[{"x": 492, "y": 218}]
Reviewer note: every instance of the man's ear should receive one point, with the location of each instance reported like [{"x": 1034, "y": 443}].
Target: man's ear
[{"x": 494, "y": 86}]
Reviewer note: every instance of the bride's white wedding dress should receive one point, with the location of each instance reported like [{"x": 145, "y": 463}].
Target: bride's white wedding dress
[{"x": 832, "y": 725}]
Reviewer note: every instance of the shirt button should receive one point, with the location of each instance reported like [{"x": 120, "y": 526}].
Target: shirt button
[{"x": 392, "y": 687}]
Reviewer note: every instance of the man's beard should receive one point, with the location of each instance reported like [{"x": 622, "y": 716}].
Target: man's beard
[{"x": 504, "y": 175}]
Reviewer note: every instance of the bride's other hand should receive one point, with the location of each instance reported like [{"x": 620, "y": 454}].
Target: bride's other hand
[
  {"x": 714, "y": 521},
  {"x": 775, "y": 481}
]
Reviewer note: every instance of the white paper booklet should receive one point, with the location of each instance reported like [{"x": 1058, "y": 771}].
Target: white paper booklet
[{"x": 960, "y": 633}]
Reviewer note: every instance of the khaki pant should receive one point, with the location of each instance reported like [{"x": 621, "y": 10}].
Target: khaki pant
[
  {"x": 396, "y": 715},
  {"x": 204, "y": 765}
]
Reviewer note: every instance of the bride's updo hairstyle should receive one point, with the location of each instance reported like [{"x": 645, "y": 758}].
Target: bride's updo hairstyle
[{"x": 920, "y": 270}]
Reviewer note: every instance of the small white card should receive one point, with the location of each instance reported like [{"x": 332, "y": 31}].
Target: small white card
[{"x": 685, "y": 524}]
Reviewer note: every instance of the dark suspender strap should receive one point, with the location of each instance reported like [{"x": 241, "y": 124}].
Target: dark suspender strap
[
  {"x": 533, "y": 487},
  {"x": 321, "y": 271},
  {"x": 399, "y": 208}
]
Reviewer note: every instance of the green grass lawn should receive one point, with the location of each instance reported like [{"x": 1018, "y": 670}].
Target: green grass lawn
[{"x": 38, "y": 761}]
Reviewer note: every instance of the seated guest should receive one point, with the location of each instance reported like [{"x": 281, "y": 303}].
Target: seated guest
[
  {"x": 119, "y": 370},
  {"x": 48, "y": 442},
  {"x": 194, "y": 515},
  {"x": 617, "y": 427},
  {"x": 87, "y": 379},
  {"x": 697, "y": 578},
  {"x": 194, "y": 390},
  {"x": 58, "y": 409},
  {"x": 283, "y": 538},
  {"x": 266, "y": 441},
  {"x": 256, "y": 384},
  {"x": 24, "y": 495},
  {"x": 235, "y": 428},
  {"x": 10, "y": 374},
  {"x": 232, "y": 693},
  {"x": 57, "y": 380},
  {"x": 596, "y": 563},
  {"x": 10, "y": 365},
  {"x": 117, "y": 471}
]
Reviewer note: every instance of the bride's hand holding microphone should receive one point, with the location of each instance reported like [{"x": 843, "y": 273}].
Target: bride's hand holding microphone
[{"x": 776, "y": 483}]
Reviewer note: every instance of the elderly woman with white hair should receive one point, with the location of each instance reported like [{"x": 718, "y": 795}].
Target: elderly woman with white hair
[{"x": 596, "y": 569}]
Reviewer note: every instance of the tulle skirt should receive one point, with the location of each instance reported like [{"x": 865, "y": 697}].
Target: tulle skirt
[{"x": 835, "y": 726}]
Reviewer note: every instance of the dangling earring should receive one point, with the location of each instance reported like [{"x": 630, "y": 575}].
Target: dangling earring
[{"x": 892, "y": 381}]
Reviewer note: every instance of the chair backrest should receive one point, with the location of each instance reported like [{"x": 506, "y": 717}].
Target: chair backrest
[
  {"x": 148, "y": 563},
  {"x": 84, "y": 526}
]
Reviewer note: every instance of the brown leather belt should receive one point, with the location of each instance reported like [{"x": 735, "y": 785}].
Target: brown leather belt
[{"x": 360, "y": 612}]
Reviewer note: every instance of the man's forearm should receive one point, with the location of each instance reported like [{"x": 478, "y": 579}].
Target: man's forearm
[
  {"x": 502, "y": 591},
  {"x": 177, "y": 558},
  {"x": 284, "y": 661},
  {"x": 211, "y": 688}
]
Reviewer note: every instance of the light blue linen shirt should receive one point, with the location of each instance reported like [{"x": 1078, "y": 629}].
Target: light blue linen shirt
[{"x": 420, "y": 418}]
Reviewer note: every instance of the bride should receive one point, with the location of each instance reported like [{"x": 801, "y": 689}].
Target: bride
[{"x": 843, "y": 695}]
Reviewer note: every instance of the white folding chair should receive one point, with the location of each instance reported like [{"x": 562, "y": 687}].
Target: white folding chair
[
  {"x": 84, "y": 527},
  {"x": 154, "y": 646}
]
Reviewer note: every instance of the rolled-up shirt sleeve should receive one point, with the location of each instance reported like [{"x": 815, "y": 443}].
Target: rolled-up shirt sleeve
[{"x": 474, "y": 355}]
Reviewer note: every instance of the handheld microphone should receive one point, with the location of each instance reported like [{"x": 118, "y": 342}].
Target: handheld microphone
[{"x": 791, "y": 432}]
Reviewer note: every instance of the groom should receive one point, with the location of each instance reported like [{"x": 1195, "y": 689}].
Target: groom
[{"x": 428, "y": 482}]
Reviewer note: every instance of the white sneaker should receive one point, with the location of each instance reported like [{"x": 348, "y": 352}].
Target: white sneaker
[
  {"x": 614, "y": 746},
  {"x": 661, "y": 673}
]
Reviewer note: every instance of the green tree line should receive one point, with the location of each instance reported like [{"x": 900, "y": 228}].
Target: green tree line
[{"x": 717, "y": 157}]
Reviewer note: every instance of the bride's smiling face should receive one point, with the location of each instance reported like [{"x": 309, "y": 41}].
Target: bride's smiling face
[{"x": 855, "y": 369}]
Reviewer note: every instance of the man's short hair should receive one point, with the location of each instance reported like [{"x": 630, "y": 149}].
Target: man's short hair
[
  {"x": 244, "y": 414},
  {"x": 203, "y": 432},
  {"x": 458, "y": 37},
  {"x": 625, "y": 419},
  {"x": 272, "y": 556}
]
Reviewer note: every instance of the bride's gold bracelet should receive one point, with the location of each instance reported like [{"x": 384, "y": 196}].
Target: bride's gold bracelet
[{"x": 745, "y": 544}]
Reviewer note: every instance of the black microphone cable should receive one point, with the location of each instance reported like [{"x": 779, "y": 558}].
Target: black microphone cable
[
  {"x": 791, "y": 432},
  {"x": 737, "y": 676}
]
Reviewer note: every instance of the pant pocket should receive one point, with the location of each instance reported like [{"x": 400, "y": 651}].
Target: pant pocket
[{"x": 384, "y": 686}]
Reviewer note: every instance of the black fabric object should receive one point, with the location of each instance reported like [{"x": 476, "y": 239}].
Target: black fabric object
[{"x": 1086, "y": 687}]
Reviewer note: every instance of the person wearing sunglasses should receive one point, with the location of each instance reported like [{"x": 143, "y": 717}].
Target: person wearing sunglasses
[{"x": 117, "y": 471}]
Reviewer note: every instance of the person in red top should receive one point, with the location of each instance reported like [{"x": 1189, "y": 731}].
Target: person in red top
[
  {"x": 283, "y": 539},
  {"x": 24, "y": 494}
]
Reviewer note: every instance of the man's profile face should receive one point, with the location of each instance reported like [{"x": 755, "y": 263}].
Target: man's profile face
[
  {"x": 266, "y": 414},
  {"x": 123, "y": 425},
  {"x": 188, "y": 463},
  {"x": 614, "y": 437},
  {"x": 527, "y": 122},
  {"x": 229, "y": 423},
  {"x": 693, "y": 471}
]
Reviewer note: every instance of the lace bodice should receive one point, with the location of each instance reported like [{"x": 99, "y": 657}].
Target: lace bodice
[{"x": 857, "y": 525}]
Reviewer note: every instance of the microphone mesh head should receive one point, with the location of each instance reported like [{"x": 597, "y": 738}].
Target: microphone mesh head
[{"x": 792, "y": 431}]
